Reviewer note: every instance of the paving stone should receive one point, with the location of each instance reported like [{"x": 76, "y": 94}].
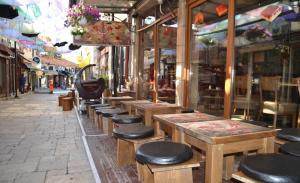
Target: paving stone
[
  {"x": 84, "y": 177},
  {"x": 32, "y": 177},
  {"x": 38, "y": 140},
  {"x": 53, "y": 163}
]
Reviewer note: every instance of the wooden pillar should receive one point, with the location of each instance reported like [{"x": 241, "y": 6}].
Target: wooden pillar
[
  {"x": 181, "y": 52},
  {"x": 156, "y": 62},
  {"x": 229, "y": 60}
]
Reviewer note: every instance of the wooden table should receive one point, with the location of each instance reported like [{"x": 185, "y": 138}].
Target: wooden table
[
  {"x": 126, "y": 93},
  {"x": 168, "y": 123},
  {"x": 129, "y": 105},
  {"x": 224, "y": 138},
  {"x": 115, "y": 101},
  {"x": 148, "y": 110}
]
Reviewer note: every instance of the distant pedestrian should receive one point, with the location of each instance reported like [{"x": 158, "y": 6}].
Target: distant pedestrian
[{"x": 22, "y": 83}]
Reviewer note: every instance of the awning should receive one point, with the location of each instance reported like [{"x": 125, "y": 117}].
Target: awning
[
  {"x": 50, "y": 73},
  {"x": 66, "y": 73},
  {"x": 5, "y": 51}
]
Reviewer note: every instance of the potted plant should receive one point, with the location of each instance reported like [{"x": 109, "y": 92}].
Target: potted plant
[
  {"x": 79, "y": 15},
  {"x": 78, "y": 31}
]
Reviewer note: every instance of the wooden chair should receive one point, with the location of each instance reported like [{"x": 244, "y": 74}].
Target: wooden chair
[
  {"x": 276, "y": 107},
  {"x": 242, "y": 99}
]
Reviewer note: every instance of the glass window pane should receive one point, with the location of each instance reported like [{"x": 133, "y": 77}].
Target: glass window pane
[
  {"x": 207, "y": 67},
  {"x": 167, "y": 61},
  {"x": 148, "y": 64}
]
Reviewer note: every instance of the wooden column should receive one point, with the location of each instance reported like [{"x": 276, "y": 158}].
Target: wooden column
[
  {"x": 229, "y": 60},
  {"x": 156, "y": 62}
]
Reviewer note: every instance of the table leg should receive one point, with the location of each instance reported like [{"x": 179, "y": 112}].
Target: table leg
[
  {"x": 148, "y": 118},
  {"x": 214, "y": 164},
  {"x": 268, "y": 146},
  {"x": 229, "y": 164},
  {"x": 157, "y": 130},
  {"x": 176, "y": 135}
]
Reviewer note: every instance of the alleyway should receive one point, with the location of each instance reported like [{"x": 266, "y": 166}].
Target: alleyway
[{"x": 40, "y": 143}]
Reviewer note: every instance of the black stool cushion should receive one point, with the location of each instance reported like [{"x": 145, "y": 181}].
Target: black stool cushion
[
  {"x": 187, "y": 110},
  {"x": 92, "y": 102},
  {"x": 100, "y": 109},
  {"x": 110, "y": 112},
  {"x": 99, "y": 105},
  {"x": 272, "y": 168},
  {"x": 291, "y": 148},
  {"x": 290, "y": 134},
  {"x": 126, "y": 119},
  {"x": 163, "y": 153},
  {"x": 133, "y": 131}
]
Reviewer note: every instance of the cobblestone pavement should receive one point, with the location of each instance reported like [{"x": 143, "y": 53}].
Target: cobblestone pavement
[{"x": 41, "y": 144}]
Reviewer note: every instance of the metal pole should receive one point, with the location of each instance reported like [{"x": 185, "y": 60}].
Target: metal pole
[{"x": 16, "y": 59}]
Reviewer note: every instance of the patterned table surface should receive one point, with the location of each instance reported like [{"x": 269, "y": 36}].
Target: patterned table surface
[
  {"x": 185, "y": 117},
  {"x": 156, "y": 106},
  {"x": 220, "y": 131}
]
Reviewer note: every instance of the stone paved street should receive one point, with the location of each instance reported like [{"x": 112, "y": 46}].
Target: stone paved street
[{"x": 40, "y": 143}]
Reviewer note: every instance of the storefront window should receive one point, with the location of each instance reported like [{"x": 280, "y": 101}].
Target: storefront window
[
  {"x": 207, "y": 67},
  {"x": 147, "y": 73},
  {"x": 167, "y": 61},
  {"x": 267, "y": 66}
]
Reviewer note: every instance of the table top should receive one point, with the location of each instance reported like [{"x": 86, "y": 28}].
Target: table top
[
  {"x": 173, "y": 119},
  {"x": 156, "y": 106},
  {"x": 119, "y": 98},
  {"x": 225, "y": 131},
  {"x": 131, "y": 102}
]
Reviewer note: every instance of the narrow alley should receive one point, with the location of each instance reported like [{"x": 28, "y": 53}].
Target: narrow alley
[{"x": 40, "y": 143}]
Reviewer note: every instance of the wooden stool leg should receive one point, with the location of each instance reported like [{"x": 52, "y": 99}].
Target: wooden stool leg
[
  {"x": 125, "y": 153},
  {"x": 96, "y": 120},
  {"x": 174, "y": 176},
  {"x": 110, "y": 126},
  {"x": 105, "y": 125},
  {"x": 100, "y": 124}
]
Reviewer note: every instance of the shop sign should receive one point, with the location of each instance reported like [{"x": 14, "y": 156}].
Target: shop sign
[
  {"x": 37, "y": 60},
  {"x": 105, "y": 33}
]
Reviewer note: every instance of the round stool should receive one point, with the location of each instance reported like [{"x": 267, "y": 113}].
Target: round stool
[
  {"x": 110, "y": 112},
  {"x": 60, "y": 99},
  {"x": 289, "y": 134},
  {"x": 272, "y": 168},
  {"x": 163, "y": 153},
  {"x": 99, "y": 110},
  {"x": 133, "y": 131},
  {"x": 291, "y": 148},
  {"x": 126, "y": 119},
  {"x": 67, "y": 103},
  {"x": 98, "y": 105},
  {"x": 92, "y": 102},
  {"x": 187, "y": 110}
]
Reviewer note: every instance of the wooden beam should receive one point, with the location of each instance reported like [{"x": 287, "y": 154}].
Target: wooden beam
[{"x": 229, "y": 60}]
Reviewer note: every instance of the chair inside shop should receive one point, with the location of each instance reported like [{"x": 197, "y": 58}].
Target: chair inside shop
[
  {"x": 243, "y": 99},
  {"x": 273, "y": 105}
]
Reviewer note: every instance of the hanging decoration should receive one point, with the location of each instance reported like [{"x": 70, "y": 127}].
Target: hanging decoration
[
  {"x": 221, "y": 10},
  {"x": 7, "y": 11},
  {"x": 199, "y": 18},
  {"x": 271, "y": 12},
  {"x": 105, "y": 33}
]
